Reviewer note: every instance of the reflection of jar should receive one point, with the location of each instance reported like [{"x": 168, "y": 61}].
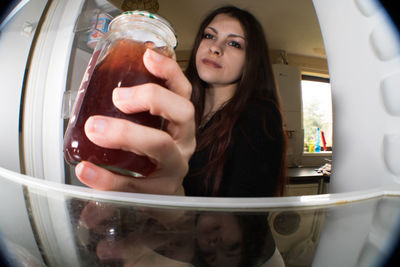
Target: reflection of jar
[{"x": 117, "y": 62}]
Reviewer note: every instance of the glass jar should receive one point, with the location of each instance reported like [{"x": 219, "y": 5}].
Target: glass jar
[{"x": 117, "y": 61}]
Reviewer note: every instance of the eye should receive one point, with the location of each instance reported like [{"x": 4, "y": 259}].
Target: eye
[
  {"x": 235, "y": 246},
  {"x": 208, "y": 36},
  {"x": 235, "y": 44}
]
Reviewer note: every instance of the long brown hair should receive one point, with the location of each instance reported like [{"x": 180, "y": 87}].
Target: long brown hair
[{"x": 257, "y": 83}]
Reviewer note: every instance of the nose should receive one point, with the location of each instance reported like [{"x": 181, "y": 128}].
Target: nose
[
  {"x": 212, "y": 241},
  {"x": 216, "y": 50}
]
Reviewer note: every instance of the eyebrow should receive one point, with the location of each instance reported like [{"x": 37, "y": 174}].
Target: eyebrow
[{"x": 230, "y": 35}]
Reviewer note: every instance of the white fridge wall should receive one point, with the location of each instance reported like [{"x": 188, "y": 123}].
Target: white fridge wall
[
  {"x": 15, "y": 44},
  {"x": 15, "y": 226},
  {"x": 363, "y": 52},
  {"x": 43, "y": 124},
  {"x": 359, "y": 66},
  {"x": 43, "y": 127}
]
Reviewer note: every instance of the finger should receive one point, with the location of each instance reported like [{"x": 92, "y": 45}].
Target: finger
[
  {"x": 102, "y": 179},
  {"x": 167, "y": 69},
  {"x": 156, "y": 144},
  {"x": 178, "y": 111},
  {"x": 110, "y": 250},
  {"x": 156, "y": 183},
  {"x": 97, "y": 214},
  {"x": 130, "y": 250},
  {"x": 155, "y": 99},
  {"x": 165, "y": 182}
]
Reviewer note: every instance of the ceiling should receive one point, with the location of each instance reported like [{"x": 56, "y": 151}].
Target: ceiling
[{"x": 290, "y": 25}]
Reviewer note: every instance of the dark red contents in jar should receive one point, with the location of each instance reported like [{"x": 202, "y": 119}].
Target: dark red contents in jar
[{"x": 122, "y": 67}]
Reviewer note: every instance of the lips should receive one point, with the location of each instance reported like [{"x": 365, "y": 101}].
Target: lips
[{"x": 211, "y": 63}]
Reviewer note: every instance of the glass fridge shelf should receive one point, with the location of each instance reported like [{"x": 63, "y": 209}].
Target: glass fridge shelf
[{"x": 78, "y": 226}]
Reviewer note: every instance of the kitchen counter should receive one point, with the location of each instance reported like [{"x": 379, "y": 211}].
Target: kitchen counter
[{"x": 308, "y": 175}]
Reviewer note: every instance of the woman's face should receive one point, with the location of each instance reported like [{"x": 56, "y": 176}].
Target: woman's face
[
  {"x": 220, "y": 240},
  {"x": 221, "y": 54}
]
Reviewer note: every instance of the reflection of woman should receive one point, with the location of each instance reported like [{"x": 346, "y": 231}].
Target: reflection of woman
[
  {"x": 235, "y": 240},
  {"x": 240, "y": 140},
  {"x": 120, "y": 234}
]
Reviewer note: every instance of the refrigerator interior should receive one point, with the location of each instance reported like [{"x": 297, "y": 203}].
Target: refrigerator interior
[{"x": 61, "y": 223}]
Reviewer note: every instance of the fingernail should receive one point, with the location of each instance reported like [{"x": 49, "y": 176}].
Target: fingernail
[
  {"x": 123, "y": 93},
  {"x": 107, "y": 250},
  {"x": 85, "y": 172},
  {"x": 97, "y": 125},
  {"x": 154, "y": 55}
]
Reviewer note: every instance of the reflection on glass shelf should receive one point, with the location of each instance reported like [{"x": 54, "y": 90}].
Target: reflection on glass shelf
[
  {"x": 50, "y": 224},
  {"x": 109, "y": 233}
]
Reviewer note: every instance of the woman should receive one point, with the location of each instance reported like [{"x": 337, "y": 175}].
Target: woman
[
  {"x": 241, "y": 142},
  {"x": 236, "y": 119}
]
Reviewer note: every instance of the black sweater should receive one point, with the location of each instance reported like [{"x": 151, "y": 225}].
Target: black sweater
[{"x": 253, "y": 159}]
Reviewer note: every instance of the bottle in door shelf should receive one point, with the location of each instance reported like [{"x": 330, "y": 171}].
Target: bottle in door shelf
[
  {"x": 100, "y": 22},
  {"x": 116, "y": 63}
]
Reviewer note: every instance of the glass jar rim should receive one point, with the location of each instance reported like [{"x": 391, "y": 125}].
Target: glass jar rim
[{"x": 144, "y": 15}]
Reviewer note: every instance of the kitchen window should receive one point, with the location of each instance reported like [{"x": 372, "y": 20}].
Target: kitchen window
[{"x": 317, "y": 114}]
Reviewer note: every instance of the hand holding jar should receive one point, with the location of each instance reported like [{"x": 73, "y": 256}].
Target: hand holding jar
[{"x": 137, "y": 133}]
